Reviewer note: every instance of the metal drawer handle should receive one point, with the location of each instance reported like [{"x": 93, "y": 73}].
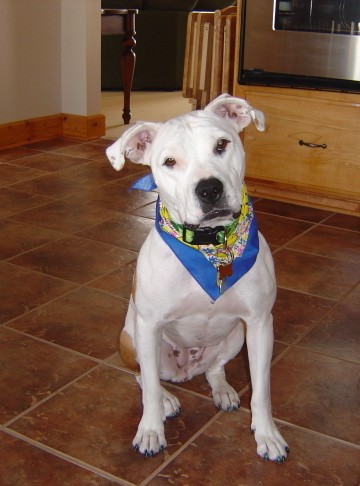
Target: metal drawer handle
[{"x": 313, "y": 145}]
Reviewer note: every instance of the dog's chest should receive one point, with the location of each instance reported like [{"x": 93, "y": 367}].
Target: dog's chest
[{"x": 198, "y": 324}]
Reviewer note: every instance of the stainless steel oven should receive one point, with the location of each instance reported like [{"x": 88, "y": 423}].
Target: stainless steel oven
[{"x": 301, "y": 43}]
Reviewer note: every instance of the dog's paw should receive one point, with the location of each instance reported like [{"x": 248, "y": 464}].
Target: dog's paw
[
  {"x": 171, "y": 404},
  {"x": 271, "y": 446},
  {"x": 225, "y": 397},
  {"x": 150, "y": 441}
]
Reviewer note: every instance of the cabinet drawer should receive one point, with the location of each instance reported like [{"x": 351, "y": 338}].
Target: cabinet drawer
[{"x": 277, "y": 156}]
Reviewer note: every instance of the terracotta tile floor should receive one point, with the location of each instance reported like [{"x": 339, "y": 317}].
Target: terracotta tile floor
[{"x": 70, "y": 233}]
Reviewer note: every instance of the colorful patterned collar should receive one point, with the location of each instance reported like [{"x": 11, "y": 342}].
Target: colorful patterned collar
[{"x": 230, "y": 240}]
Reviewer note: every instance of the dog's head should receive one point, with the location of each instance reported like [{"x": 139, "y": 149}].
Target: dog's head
[{"x": 197, "y": 160}]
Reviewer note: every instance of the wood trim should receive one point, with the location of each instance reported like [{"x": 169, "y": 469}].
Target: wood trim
[
  {"x": 83, "y": 127},
  {"x": 305, "y": 196},
  {"x": 33, "y": 130},
  {"x": 48, "y": 127}
]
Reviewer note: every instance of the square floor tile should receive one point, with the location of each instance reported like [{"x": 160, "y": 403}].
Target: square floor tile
[
  {"x": 22, "y": 290},
  {"x": 316, "y": 275},
  {"x": 68, "y": 215},
  {"x": 53, "y": 144},
  {"x": 88, "y": 151},
  {"x": 32, "y": 370},
  {"x": 10, "y": 174},
  {"x": 295, "y": 313},
  {"x": 76, "y": 259},
  {"x": 25, "y": 465},
  {"x": 278, "y": 230},
  {"x": 95, "y": 421},
  {"x": 69, "y": 181},
  {"x": 317, "y": 392},
  {"x": 49, "y": 162},
  {"x": 147, "y": 211},
  {"x": 291, "y": 210},
  {"x": 345, "y": 221},
  {"x": 116, "y": 196},
  {"x": 7, "y": 155},
  {"x": 18, "y": 238},
  {"x": 12, "y": 202},
  {"x": 125, "y": 231},
  {"x": 119, "y": 282},
  {"x": 331, "y": 242},
  {"x": 338, "y": 334},
  {"x": 86, "y": 320}
]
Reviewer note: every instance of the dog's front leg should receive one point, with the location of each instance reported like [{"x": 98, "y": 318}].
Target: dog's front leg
[
  {"x": 270, "y": 443},
  {"x": 150, "y": 437}
]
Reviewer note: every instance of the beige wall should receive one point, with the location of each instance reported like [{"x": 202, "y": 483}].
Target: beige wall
[{"x": 50, "y": 58}]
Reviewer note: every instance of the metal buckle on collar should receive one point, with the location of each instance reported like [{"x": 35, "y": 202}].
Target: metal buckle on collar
[{"x": 204, "y": 236}]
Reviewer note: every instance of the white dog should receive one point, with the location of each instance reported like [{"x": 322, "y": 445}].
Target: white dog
[{"x": 204, "y": 276}]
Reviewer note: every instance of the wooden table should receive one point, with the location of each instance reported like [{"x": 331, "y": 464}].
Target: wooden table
[{"x": 122, "y": 22}]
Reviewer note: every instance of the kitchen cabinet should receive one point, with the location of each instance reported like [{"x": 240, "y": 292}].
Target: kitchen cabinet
[{"x": 310, "y": 151}]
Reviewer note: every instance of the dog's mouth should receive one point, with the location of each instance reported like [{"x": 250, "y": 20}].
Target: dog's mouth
[
  {"x": 220, "y": 213},
  {"x": 215, "y": 214}
]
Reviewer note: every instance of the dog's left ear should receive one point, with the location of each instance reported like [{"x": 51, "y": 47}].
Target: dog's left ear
[
  {"x": 237, "y": 111},
  {"x": 133, "y": 144}
]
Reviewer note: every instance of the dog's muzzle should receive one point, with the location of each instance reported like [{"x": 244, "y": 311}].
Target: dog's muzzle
[{"x": 210, "y": 193}]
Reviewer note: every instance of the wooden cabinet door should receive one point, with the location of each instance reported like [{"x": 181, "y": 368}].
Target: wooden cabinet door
[{"x": 277, "y": 156}]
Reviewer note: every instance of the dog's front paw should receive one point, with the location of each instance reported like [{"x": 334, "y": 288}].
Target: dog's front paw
[
  {"x": 270, "y": 443},
  {"x": 150, "y": 440}
]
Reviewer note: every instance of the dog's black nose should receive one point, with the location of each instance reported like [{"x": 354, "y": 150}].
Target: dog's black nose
[{"x": 209, "y": 190}]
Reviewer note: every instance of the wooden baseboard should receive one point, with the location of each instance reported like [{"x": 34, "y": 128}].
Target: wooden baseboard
[
  {"x": 83, "y": 127},
  {"x": 48, "y": 127}
]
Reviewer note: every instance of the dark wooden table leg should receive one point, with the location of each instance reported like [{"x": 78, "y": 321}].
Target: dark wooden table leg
[{"x": 128, "y": 59}]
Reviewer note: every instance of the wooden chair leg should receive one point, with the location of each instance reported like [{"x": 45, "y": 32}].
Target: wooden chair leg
[{"x": 128, "y": 59}]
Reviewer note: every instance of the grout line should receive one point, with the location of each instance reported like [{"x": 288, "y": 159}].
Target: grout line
[
  {"x": 55, "y": 345},
  {"x": 181, "y": 449},
  {"x": 285, "y": 247},
  {"x": 307, "y": 293},
  {"x": 300, "y": 235},
  {"x": 321, "y": 353},
  {"x": 316, "y": 433},
  {"x": 50, "y": 397},
  {"x": 293, "y": 218},
  {"x": 297, "y": 341},
  {"x": 67, "y": 458}
]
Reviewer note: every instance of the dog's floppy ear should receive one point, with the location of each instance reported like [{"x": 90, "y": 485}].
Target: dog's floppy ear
[
  {"x": 133, "y": 144},
  {"x": 237, "y": 111}
]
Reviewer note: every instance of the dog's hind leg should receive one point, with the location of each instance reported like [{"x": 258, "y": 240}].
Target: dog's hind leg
[
  {"x": 224, "y": 395},
  {"x": 171, "y": 404}
]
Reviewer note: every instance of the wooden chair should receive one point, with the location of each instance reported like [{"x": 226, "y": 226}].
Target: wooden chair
[
  {"x": 209, "y": 55},
  {"x": 115, "y": 22}
]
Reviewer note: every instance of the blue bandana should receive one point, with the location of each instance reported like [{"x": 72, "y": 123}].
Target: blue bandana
[{"x": 200, "y": 268}]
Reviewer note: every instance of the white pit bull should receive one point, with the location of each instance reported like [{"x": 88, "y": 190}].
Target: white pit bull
[{"x": 204, "y": 276}]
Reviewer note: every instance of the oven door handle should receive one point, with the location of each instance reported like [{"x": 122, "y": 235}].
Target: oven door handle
[{"x": 313, "y": 145}]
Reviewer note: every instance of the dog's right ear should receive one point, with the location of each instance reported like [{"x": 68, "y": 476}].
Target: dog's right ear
[{"x": 133, "y": 144}]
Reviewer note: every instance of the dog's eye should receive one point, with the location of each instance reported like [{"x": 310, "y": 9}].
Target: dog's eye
[
  {"x": 221, "y": 145},
  {"x": 169, "y": 162}
]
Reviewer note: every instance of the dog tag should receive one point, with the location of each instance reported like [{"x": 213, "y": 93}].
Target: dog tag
[{"x": 223, "y": 272}]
